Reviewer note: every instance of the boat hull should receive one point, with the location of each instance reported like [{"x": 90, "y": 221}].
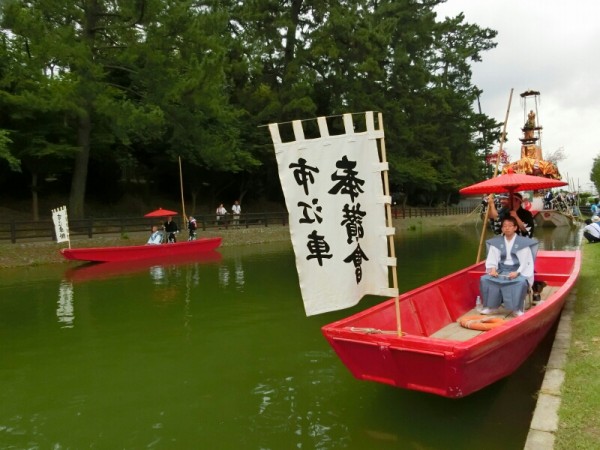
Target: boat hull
[
  {"x": 450, "y": 368},
  {"x": 138, "y": 252},
  {"x": 552, "y": 218}
]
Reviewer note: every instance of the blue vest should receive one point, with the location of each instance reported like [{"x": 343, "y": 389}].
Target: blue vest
[{"x": 520, "y": 243}]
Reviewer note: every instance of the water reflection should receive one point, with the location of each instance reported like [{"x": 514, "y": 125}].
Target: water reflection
[
  {"x": 186, "y": 355},
  {"x": 157, "y": 268},
  {"x": 157, "y": 273},
  {"x": 224, "y": 275},
  {"x": 238, "y": 271},
  {"x": 65, "y": 310},
  {"x": 559, "y": 238}
]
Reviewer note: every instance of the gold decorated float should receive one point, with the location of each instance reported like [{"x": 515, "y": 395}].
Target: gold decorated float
[{"x": 532, "y": 161}]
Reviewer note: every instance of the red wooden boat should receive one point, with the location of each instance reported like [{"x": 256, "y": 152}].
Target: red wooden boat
[
  {"x": 136, "y": 252},
  {"x": 435, "y": 354}
]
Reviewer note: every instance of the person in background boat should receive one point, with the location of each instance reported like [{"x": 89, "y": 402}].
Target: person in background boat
[
  {"x": 221, "y": 213},
  {"x": 171, "y": 229},
  {"x": 591, "y": 230},
  {"x": 155, "y": 237},
  {"x": 523, "y": 217},
  {"x": 192, "y": 226},
  {"x": 509, "y": 267},
  {"x": 548, "y": 196},
  {"x": 236, "y": 210}
]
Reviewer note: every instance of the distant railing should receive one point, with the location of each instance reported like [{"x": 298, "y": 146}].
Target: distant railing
[
  {"x": 408, "y": 213},
  {"x": 44, "y": 229}
]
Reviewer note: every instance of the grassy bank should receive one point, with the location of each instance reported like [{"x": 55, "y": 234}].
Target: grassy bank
[
  {"x": 579, "y": 424},
  {"x": 46, "y": 252}
]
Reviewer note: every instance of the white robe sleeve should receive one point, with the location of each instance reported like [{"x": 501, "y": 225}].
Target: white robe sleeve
[
  {"x": 493, "y": 258},
  {"x": 526, "y": 264}
]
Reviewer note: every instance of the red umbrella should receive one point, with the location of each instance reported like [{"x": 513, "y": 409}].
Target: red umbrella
[
  {"x": 509, "y": 183},
  {"x": 161, "y": 213},
  {"x": 512, "y": 182}
]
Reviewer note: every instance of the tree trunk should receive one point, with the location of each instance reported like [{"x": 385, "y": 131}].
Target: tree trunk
[
  {"x": 93, "y": 12},
  {"x": 78, "y": 183},
  {"x": 34, "y": 197}
]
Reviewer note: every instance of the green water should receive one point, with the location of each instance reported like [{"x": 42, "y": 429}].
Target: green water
[{"x": 219, "y": 355}]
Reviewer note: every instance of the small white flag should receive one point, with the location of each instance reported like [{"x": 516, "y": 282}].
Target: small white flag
[{"x": 61, "y": 224}]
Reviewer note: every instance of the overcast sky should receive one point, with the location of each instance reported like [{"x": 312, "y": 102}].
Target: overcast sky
[{"x": 551, "y": 46}]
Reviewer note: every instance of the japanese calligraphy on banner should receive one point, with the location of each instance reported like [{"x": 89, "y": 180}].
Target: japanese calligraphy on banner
[
  {"x": 61, "y": 224},
  {"x": 335, "y": 198}
]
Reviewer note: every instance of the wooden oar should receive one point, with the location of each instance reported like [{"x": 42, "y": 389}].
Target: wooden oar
[
  {"x": 487, "y": 210},
  {"x": 185, "y": 219}
]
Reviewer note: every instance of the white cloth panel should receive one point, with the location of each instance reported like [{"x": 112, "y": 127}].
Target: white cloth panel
[
  {"x": 61, "y": 224},
  {"x": 333, "y": 196}
]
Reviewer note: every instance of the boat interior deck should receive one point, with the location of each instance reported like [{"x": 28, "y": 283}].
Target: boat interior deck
[{"x": 455, "y": 332}]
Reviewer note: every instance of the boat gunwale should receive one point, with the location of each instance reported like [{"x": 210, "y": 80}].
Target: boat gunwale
[{"x": 144, "y": 250}]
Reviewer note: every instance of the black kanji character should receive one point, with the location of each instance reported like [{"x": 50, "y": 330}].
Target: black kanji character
[
  {"x": 315, "y": 211},
  {"x": 357, "y": 257},
  {"x": 353, "y": 221},
  {"x": 347, "y": 182},
  {"x": 303, "y": 173},
  {"x": 318, "y": 247}
]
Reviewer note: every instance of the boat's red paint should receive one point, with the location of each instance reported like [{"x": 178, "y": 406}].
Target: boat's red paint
[
  {"x": 106, "y": 270},
  {"x": 445, "y": 367},
  {"x": 136, "y": 252}
]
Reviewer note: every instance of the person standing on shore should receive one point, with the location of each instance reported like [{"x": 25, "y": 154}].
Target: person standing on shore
[
  {"x": 236, "y": 210},
  {"x": 221, "y": 213}
]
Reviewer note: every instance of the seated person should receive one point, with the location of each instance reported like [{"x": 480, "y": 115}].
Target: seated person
[
  {"x": 592, "y": 230},
  {"x": 509, "y": 267},
  {"x": 155, "y": 237}
]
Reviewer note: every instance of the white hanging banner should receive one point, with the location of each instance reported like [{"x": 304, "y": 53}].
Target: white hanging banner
[
  {"x": 334, "y": 195},
  {"x": 61, "y": 224}
]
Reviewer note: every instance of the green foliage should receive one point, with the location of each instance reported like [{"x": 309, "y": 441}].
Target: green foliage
[
  {"x": 595, "y": 174},
  {"x": 5, "y": 154},
  {"x": 585, "y": 198},
  {"x": 144, "y": 83}
]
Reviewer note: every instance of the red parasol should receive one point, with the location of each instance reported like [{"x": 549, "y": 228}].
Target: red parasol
[
  {"x": 508, "y": 183},
  {"x": 512, "y": 182},
  {"x": 161, "y": 213}
]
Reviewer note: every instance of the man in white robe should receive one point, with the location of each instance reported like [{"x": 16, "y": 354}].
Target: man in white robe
[
  {"x": 509, "y": 267},
  {"x": 155, "y": 237}
]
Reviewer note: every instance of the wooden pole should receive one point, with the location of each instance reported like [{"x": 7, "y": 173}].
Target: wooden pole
[
  {"x": 389, "y": 223},
  {"x": 487, "y": 211},
  {"x": 185, "y": 219}
]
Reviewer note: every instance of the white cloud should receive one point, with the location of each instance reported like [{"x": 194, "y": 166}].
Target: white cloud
[{"x": 550, "y": 46}]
